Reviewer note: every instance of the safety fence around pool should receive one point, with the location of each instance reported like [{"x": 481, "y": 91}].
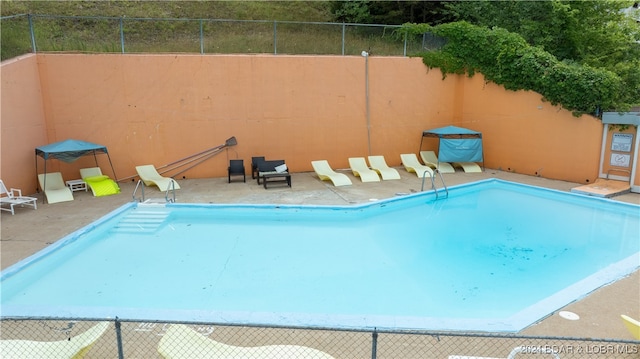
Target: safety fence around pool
[{"x": 67, "y": 338}]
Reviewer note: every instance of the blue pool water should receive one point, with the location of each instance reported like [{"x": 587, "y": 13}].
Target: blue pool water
[{"x": 494, "y": 255}]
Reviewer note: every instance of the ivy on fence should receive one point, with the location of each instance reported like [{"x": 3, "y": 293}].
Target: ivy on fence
[{"x": 505, "y": 58}]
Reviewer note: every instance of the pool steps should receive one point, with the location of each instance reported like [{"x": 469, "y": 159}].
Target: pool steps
[{"x": 147, "y": 219}]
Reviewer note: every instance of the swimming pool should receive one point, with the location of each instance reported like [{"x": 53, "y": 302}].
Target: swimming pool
[{"x": 493, "y": 256}]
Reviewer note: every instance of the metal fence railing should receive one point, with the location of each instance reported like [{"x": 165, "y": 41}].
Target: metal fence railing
[
  {"x": 38, "y": 337},
  {"x": 33, "y": 33}
]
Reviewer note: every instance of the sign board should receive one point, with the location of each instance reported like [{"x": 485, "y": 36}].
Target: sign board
[
  {"x": 620, "y": 160},
  {"x": 622, "y": 142}
]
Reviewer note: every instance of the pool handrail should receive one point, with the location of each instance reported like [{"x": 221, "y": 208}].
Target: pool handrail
[
  {"x": 433, "y": 183},
  {"x": 171, "y": 188},
  {"x": 138, "y": 185}
]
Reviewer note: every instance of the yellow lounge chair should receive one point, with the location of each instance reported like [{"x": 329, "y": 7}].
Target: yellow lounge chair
[
  {"x": 150, "y": 176},
  {"x": 633, "y": 326},
  {"x": 100, "y": 184},
  {"x": 411, "y": 164},
  {"x": 325, "y": 172},
  {"x": 379, "y": 165},
  {"x": 430, "y": 159},
  {"x": 469, "y": 167},
  {"x": 55, "y": 191},
  {"x": 180, "y": 341},
  {"x": 74, "y": 348},
  {"x": 360, "y": 169}
]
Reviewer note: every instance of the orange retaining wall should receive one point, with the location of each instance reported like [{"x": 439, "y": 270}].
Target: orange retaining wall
[
  {"x": 22, "y": 122},
  {"x": 156, "y": 109},
  {"x": 523, "y": 134}
]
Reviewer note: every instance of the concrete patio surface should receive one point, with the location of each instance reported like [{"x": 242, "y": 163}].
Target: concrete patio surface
[{"x": 29, "y": 231}]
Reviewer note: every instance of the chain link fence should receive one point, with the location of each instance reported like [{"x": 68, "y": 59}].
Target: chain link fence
[
  {"x": 38, "y": 338},
  {"x": 36, "y": 33}
]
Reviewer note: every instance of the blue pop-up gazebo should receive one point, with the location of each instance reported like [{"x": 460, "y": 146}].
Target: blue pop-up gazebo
[
  {"x": 456, "y": 144},
  {"x": 70, "y": 150}
]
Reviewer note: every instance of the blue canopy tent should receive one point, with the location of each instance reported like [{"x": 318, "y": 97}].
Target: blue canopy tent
[
  {"x": 70, "y": 150},
  {"x": 456, "y": 144}
]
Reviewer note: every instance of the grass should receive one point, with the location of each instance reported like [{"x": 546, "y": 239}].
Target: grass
[
  {"x": 83, "y": 31},
  {"x": 237, "y": 10}
]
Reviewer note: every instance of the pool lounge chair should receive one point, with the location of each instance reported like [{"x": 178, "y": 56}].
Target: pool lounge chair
[
  {"x": 632, "y": 325},
  {"x": 14, "y": 198},
  {"x": 379, "y": 165},
  {"x": 74, "y": 347},
  {"x": 55, "y": 191},
  {"x": 150, "y": 176},
  {"x": 411, "y": 164},
  {"x": 430, "y": 159},
  {"x": 360, "y": 169},
  {"x": 469, "y": 167},
  {"x": 182, "y": 342},
  {"x": 326, "y": 173},
  {"x": 100, "y": 184}
]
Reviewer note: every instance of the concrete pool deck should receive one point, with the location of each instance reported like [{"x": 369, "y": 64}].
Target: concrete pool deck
[{"x": 29, "y": 231}]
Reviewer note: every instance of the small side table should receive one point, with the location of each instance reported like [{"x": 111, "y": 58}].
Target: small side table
[{"x": 77, "y": 185}]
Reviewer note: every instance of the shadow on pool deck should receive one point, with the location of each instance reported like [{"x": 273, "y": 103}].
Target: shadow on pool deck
[{"x": 29, "y": 231}]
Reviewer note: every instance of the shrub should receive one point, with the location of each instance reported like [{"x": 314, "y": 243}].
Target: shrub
[{"x": 506, "y": 59}]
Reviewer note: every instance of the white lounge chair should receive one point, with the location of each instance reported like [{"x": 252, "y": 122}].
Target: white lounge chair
[
  {"x": 14, "y": 198},
  {"x": 326, "y": 173},
  {"x": 411, "y": 164},
  {"x": 74, "y": 347},
  {"x": 182, "y": 342},
  {"x": 150, "y": 176},
  {"x": 379, "y": 165},
  {"x": 430, "y": 159},
  {"x": 55, "y": 191},
  {"x": 100, "y": 184},
  {"x": 360, "y": 169}
]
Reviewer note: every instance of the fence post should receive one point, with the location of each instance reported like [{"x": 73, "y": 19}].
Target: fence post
[
  {"x": 344, "y": 29},
  {"x": 201, "y": 39},
  {"x": 374, "y": 344},
  {"x": 122, "y": 35},
  {"x": 119, "y": 339},
  {"x": 275, "y": 37},
  {"x": 405, "y": 44},
  {"x": 33, "y": 36}
]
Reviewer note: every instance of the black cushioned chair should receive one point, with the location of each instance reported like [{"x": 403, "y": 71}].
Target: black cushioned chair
[
  {"x": 267, "y": 167},
  {"x": 254, "y": 166},
  {"x": 236, "y": 168},
  {"x": 268, "y": 172}
]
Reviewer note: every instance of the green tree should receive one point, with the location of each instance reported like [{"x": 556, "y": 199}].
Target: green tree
[
  {"x": 389, "y": 12},
  {"x": 505, "y": 58},
  {"x": 354, "y": 11},
  {"x": 595, "y": 33}
]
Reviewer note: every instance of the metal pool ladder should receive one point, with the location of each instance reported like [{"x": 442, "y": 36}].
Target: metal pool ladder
[
  {"x": 171, "y": 188},
  {"x": 433, "y": 183}
]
